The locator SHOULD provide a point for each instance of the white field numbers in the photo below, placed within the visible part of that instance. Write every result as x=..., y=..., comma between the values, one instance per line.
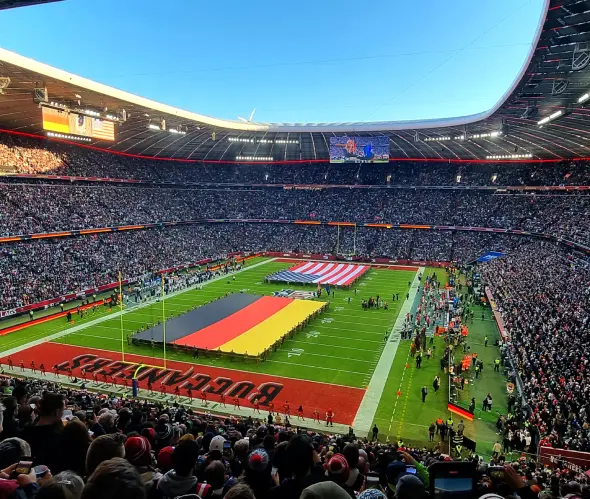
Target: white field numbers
x=295, y=352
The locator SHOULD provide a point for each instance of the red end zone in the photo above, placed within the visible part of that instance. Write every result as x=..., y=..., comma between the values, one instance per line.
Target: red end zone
x=343, y=400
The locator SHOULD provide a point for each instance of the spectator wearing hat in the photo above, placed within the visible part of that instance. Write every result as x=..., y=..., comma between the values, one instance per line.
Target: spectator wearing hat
x=240, y=458
x=215, y=454
x=324, y=490
x=65, y=485
x=258, y=474
x=301, y=460
x=138, y=451
x=165, y=459
x=180, y=479
x=338, y=471
x=409, y=487
x=12, y=450
x=163, y=433
x=114, y=479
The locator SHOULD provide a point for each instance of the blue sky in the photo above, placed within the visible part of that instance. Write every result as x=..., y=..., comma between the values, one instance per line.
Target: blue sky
x=306, y=61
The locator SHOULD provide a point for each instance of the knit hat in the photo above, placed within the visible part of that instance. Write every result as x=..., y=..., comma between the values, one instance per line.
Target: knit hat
x=11, y=450
x=216, y=444
x=150, y=434
x=409, y=487
x=188, y=436
x=324, y=490
x=337, y=468
x=138, y=451
x=165, y=458
x=258, y=460
x=163, y=431
x=372, y=494
x=394, y=471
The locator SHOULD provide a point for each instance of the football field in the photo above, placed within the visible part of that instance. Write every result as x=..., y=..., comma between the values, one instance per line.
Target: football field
x=330, y=363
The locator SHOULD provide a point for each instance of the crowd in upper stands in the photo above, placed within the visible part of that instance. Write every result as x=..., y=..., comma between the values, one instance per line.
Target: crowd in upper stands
x=93, y=446
x=28, y=208
x=23, y=155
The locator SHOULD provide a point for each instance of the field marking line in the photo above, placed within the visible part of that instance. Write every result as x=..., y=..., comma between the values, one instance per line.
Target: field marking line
x=128, y=310
x=318, y=367
x=308, y=342
x=370, y=403
x=344, y=338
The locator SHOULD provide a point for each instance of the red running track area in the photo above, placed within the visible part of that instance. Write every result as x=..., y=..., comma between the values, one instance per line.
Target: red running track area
x=234, y=325
x=246, y=386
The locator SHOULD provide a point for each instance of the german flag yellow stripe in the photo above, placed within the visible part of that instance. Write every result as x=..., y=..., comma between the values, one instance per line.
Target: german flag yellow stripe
x=256, y=340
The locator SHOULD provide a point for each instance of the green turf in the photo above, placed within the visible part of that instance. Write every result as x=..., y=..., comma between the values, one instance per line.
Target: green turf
x=342, y=346
x=405, y=416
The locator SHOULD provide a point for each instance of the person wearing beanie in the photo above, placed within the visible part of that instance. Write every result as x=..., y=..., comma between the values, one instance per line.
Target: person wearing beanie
x=165, y=459
x=12, y=450
x=258, y=473
x=409, y=487
x=324, y=490
x=138, y=451
x=240, y=460
x=181, y=479
x=337, y=469
x=372, y=494
x=163, y=433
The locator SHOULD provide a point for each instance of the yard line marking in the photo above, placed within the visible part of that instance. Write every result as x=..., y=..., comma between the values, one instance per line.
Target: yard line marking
x=364, y=361
x=347, y=338
x=316, y=367
x=309, y=342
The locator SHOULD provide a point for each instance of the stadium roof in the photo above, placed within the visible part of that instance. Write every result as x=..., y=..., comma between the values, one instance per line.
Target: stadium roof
x=10, y=4
x=554, y=79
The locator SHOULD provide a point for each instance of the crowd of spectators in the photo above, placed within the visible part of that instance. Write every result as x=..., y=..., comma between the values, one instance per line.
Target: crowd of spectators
x=544, y=297
x=26, y=208
x=87, y=446
x=27, y=155
x=36, y=270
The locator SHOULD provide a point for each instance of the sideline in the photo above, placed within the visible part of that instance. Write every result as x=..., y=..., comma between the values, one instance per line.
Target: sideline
x=366, y=412
x=126, y=311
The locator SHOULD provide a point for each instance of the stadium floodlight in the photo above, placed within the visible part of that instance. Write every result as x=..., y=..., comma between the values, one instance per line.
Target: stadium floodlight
x=584, y=98
x=510, y=156
x=64, y=136
x=494, y=134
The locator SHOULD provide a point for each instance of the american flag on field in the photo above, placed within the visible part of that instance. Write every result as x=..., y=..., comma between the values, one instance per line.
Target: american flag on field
x=104, y=130
x=326, y=273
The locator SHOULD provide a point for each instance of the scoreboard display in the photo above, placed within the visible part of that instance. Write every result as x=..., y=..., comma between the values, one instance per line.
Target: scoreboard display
x=346, y=149
x=67, y=122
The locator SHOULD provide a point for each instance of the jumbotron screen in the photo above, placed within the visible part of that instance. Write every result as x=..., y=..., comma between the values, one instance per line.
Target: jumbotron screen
x=66, y=122
x=347, y=149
